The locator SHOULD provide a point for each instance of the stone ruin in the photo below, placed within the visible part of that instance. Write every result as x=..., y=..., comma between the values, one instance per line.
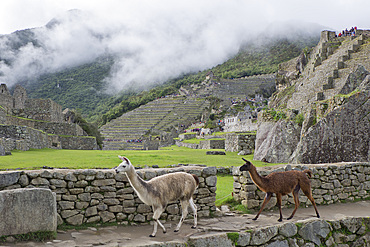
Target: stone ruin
x=330, y=96
x=27, y=123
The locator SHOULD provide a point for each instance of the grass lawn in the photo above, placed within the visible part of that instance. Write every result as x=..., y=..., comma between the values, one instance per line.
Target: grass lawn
x=224, y=189
x=83, y=159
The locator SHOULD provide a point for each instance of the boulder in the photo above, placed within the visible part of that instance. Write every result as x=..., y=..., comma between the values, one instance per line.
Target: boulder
x=277, y=141
x=9, y=178
x=215, y=153
x=27, y=210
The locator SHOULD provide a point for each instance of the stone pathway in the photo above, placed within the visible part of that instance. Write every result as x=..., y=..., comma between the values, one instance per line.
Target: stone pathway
x=117, y=236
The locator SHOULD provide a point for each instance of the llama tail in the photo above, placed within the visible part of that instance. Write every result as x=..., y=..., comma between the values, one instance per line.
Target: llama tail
x=309, y=173
x=196, y=179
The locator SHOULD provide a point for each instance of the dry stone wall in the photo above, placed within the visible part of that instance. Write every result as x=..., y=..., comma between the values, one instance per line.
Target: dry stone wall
x=347, y=231
x=330, y=183
x=49, y=127
x=24, y=138
x=240, y=142
x=97, y=195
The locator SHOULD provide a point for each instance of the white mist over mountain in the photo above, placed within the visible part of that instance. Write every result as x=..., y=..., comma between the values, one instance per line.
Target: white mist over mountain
x=151, y=41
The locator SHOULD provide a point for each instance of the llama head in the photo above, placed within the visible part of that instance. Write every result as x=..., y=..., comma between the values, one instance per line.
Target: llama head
x=124, y=166
x=247, y=166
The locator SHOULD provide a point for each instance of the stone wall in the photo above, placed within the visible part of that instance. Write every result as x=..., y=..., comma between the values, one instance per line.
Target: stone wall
x=240, y=126
x=347, y=231
x=206, y=144
x=49, y=127
x=78, y=142
x=240, y=142
x=24, y=138
x=96, y=195
x=212, y=144
x=330, y=183
x=44, y=110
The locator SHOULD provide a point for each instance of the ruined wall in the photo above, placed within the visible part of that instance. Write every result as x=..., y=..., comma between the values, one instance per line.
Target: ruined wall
x=330, y=183
x=240, y=142
x=240, y=126
x=49, y=127
x=95, y=195
x=44, y=110
x=212, y=144
x=78, y=142
x=24, y=138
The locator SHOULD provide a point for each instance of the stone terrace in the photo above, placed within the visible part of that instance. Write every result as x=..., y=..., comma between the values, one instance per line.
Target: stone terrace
x=329, y=66
x=159, y=115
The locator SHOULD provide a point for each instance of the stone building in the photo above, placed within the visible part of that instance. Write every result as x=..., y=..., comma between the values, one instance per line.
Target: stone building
x=37, y=123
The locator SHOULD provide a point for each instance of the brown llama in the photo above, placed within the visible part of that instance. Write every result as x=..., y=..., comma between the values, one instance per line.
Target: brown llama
x=281, y=183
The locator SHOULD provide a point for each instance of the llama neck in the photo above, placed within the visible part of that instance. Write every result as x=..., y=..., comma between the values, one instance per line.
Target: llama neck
x=136, y=182
x=257, y=179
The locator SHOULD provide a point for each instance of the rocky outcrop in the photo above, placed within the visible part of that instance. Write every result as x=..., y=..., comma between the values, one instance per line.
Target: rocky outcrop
x=276, y=142
x=354, y=79
x=333, y=96
x=342, y=135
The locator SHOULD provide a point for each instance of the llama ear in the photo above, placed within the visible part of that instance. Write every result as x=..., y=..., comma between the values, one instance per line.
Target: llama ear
x=245, y=160
x=124, y=159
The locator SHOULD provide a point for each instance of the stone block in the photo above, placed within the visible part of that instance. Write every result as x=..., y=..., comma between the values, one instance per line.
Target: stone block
x=314, y=231
x=9, y=178
x=27, y=210
x=263, y=235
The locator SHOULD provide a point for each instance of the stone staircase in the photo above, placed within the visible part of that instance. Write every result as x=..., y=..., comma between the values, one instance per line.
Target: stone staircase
x=326, y=74
x=164, y=114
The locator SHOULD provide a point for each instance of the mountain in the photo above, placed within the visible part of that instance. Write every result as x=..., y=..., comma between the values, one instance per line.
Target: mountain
x=75, y=65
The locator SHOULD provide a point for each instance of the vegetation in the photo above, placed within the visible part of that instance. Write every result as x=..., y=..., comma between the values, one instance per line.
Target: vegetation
x=84, y=159
x=39, y=236
x=224, y=189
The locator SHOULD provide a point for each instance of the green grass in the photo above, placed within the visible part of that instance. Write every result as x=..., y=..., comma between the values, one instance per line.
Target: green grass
x=83, y=159
x=224, y=189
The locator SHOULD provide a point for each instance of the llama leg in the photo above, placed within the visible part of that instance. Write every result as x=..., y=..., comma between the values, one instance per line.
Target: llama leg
x=278, y=198
x=184, y=207
x=296, y=200
x=157, y=213
x=265, y=201
x=308, y=193
x=194, y=208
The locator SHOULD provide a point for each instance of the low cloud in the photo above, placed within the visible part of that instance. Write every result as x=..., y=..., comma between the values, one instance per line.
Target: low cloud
x=151, y=41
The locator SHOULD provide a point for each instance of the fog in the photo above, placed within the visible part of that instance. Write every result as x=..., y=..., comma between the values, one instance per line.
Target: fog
x=153, y=41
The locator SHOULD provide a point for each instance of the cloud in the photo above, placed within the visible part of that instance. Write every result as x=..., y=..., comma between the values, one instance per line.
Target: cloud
x=152, y=41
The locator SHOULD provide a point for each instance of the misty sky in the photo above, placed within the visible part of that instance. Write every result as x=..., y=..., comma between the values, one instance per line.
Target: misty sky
x=155, y=40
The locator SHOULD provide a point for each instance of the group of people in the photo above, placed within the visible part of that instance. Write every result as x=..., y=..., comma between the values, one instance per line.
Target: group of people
x=346, y=32
x=135, y=141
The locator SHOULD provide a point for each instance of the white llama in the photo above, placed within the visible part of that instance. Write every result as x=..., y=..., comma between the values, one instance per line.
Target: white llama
x=161, y=190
